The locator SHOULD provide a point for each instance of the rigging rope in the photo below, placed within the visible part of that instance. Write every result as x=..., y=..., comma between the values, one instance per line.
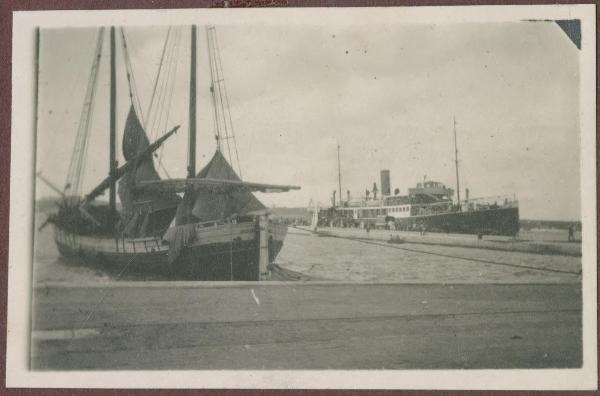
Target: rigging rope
x=212, y=90
x=170, y=95
x=158, y=75
x=104, y=294
x=160, y=105
x=157, y=117
x=133, y=93
x=219, y=93
x=77, y=164
x=163, y=77
x=227, y=103
x=155, y=124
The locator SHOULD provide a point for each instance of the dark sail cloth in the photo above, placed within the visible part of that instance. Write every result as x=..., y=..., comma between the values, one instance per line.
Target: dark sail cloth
x=148, y=213
x=205, y=204
x=202, y=204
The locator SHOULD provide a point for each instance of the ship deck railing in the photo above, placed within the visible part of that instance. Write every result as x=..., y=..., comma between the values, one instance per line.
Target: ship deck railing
x=494, y=201
x=479, y=203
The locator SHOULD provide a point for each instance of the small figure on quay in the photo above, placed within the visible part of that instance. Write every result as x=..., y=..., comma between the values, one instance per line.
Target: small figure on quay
x=571, y=234
x=391, y=225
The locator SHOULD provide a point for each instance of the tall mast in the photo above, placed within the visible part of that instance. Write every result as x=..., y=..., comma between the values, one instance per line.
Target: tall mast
x=113, y=134
x=192, y=137
x=339, y=174
x=35, y=107
x=456, y=164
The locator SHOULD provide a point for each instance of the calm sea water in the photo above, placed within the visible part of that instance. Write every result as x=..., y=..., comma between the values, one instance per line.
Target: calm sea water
x=344, y=260
x=347, y=260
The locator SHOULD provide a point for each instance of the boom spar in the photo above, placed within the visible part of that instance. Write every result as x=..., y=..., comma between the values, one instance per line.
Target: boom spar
x=120, y=171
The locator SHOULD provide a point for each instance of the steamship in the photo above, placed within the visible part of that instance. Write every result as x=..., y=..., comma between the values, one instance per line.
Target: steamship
x=429, y=206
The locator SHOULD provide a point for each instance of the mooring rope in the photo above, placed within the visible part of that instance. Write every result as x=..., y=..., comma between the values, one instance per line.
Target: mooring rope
x=101, y=300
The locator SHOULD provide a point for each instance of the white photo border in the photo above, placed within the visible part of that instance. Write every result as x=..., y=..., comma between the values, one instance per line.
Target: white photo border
x=22, y=195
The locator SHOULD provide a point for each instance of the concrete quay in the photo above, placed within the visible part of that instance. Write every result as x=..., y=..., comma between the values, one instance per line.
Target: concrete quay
x=470, y=241
x=305, y=325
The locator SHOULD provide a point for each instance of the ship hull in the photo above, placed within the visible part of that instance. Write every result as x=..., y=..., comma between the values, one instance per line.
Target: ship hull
x=224, y=252
x=495, y=221
x=500, y=221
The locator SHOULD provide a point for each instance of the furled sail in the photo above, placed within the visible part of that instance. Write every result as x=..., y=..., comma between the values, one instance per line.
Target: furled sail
x=145, y=213
x=205, y=205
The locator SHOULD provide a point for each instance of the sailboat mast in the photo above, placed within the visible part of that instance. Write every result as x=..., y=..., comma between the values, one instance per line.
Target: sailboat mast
x=113, y=131
x=339, y=173
x=456, y=164
x=35, y=107
x=192, y=137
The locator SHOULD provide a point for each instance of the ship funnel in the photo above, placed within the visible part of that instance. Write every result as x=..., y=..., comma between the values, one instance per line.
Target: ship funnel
x=385, y=183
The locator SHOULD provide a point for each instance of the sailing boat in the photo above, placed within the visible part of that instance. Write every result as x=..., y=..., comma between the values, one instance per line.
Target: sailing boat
x=217, y=230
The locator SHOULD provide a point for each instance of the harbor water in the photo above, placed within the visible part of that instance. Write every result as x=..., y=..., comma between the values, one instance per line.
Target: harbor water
x=337, y=259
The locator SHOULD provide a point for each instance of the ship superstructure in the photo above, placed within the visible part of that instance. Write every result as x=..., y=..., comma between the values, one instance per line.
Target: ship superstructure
x=429, y=206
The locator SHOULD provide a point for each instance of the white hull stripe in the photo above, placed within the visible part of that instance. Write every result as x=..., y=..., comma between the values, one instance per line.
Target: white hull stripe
x=204, y=236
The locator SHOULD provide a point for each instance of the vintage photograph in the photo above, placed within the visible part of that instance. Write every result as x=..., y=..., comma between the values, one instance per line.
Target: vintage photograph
x=308, y=196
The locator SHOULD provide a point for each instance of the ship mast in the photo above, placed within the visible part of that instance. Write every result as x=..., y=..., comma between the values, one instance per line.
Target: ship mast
x=112, y=200
x=456, y=165
x=339, y=174
x=192, y=136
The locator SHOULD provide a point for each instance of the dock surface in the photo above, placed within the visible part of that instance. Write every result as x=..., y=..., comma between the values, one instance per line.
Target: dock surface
x=315, y=325
x=459, y=240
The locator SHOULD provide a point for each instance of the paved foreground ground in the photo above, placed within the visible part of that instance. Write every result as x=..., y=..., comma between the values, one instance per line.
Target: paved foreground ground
x=130, y=325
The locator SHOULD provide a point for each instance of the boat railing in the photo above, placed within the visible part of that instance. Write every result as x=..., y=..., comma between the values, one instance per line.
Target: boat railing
x=470, y=205
x=490, y=202
x=215, y=223
x=479, y=203
x=363, y=203
x=432, y=208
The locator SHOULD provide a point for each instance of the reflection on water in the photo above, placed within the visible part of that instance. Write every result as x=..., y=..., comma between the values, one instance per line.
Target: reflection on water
x=344, y=260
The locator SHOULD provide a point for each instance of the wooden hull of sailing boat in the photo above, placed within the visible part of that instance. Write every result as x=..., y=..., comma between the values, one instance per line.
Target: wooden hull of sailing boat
x=223, y=252
x=223, y=261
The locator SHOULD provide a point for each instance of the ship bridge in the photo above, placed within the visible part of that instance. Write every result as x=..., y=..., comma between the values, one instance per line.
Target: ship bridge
x=436, y=191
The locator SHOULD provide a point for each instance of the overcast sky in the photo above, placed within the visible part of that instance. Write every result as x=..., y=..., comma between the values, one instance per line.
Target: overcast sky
x=386, y=93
